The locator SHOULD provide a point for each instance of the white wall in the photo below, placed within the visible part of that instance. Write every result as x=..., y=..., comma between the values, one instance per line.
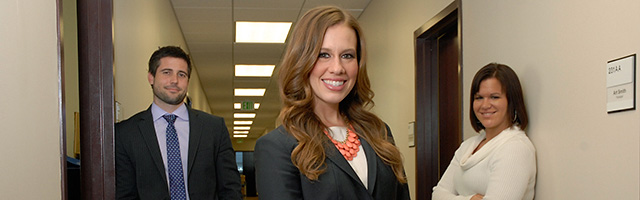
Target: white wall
x=388, y=29
x=140, y=27
x=560, y=50
x=30, y=102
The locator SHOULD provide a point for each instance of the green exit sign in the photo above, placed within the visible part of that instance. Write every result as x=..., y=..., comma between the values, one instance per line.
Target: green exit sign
x=246, y=105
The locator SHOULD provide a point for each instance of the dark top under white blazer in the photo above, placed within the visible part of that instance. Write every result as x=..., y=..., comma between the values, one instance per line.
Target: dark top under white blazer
x=278, y=179
x=140, y=174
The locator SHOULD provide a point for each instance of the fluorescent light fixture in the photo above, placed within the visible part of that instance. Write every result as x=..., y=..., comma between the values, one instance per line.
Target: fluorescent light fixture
x=249, y=92
x=240, y=132
x=237, y=106
x=244, y=115
x=239, y=136
x=255, y=70
x=242, y=122
x=242, y=128
x=262, y=32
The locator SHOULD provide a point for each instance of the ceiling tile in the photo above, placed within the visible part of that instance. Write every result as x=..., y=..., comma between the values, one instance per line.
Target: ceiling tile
x=208, y=28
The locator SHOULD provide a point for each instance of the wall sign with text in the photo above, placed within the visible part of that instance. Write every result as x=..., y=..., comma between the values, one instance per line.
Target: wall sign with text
x=621, y=86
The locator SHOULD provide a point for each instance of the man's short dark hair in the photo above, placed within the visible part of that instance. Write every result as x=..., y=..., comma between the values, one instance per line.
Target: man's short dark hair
x=168, y=51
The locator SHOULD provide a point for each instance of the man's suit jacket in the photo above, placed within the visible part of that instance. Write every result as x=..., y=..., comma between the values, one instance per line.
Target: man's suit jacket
x=278, y=178
x=211, y=170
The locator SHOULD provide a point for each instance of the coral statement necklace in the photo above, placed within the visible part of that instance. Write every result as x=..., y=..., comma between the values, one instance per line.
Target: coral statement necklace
x=350, y=146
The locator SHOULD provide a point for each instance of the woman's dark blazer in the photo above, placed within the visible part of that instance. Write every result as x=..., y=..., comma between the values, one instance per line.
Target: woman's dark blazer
x=278, y=179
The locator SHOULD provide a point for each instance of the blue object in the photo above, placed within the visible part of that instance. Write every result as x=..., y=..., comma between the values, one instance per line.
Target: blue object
x=174, y=161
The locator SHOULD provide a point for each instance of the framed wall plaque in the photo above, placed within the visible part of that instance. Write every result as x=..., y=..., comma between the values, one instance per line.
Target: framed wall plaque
x=621, y=86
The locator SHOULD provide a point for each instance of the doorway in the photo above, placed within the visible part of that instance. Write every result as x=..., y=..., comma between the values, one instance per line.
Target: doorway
x=438, y=97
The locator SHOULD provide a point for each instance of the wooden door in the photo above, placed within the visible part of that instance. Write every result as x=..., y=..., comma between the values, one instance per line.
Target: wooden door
x=438, y=97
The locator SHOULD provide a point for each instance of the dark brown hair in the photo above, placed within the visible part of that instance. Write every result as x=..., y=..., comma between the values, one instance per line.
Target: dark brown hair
x=297, y=114
x=168, y=51
x=510, y=86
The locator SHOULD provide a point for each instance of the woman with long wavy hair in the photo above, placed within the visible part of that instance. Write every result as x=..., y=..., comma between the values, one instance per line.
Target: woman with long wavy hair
x=329, y=145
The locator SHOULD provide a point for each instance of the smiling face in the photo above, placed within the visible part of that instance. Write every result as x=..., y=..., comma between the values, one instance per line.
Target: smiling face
x=170, y=83
x=334, y=73
x=490, y=106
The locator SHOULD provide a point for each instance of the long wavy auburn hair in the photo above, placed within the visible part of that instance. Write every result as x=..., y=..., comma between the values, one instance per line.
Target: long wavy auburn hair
x=297, y=114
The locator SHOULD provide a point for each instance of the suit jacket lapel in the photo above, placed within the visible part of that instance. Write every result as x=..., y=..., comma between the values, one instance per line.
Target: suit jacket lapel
x=195, y=131
x=334, y=156
x=372, y=160
x=147, y=129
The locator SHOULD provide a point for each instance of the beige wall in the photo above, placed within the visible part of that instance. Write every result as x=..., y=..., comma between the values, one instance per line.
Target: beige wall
x=140, y=27
x=388, y=28
x=71, y=89
x=30, y=105
x=559, y=49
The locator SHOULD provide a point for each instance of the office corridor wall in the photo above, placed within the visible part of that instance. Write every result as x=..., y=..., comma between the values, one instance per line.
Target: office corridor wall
x=388, y=28
x=560, y=50
x=140, y=27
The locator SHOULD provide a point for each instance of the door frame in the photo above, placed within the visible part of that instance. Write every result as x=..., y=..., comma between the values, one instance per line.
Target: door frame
x=61, y=105
x=427, y=109
x=95, y=62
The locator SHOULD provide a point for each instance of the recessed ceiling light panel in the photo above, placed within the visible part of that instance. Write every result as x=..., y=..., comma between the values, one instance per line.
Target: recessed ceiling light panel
x=242, y=122
x=242, y=128
x=240, y=136
x=244, y=115
x=262, y=32
x=256, y=92
x=240, y=132
x=254, y=70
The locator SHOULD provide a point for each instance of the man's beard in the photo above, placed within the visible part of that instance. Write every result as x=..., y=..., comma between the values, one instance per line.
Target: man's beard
x=167, y=99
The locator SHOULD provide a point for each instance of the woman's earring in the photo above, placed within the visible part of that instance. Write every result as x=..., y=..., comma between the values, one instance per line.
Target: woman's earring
x=515, y=116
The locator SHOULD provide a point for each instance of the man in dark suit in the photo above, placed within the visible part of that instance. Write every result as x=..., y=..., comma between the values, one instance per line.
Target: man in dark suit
x=171, y=151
